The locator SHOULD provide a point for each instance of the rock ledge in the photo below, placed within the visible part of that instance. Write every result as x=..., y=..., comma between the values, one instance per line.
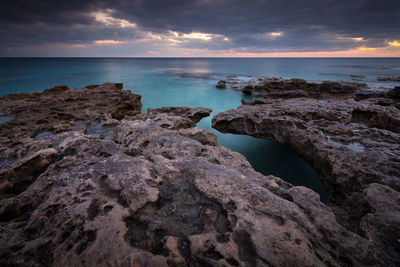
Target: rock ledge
x=354, y=145
x=88, y=182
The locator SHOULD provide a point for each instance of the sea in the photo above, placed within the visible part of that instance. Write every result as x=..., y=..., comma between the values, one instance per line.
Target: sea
x=191, y=82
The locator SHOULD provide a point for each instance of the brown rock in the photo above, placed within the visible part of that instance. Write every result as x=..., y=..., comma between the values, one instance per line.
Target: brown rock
x=281, y=88
x=41, y=112
x=352, y=144
x=154, y=190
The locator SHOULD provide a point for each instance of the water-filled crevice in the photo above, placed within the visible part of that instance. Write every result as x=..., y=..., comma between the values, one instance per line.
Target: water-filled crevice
x=269, y=157
x=272, y=158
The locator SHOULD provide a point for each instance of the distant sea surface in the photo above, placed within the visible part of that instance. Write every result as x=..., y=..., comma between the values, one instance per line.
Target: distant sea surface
x=191, y=82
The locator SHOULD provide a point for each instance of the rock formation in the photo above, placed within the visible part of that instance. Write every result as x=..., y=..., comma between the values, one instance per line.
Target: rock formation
x=221, y=84
x=388, y=79
x=281, y=88
x=80, y=186
x=353, y=144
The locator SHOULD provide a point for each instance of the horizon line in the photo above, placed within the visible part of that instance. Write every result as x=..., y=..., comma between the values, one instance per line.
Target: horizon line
x=183, y=57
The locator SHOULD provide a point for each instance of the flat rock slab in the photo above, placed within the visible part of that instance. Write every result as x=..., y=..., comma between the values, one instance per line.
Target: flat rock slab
x=32, y=114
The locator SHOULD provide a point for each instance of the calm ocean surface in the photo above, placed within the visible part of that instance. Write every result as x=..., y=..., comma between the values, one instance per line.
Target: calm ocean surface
x=191, y=82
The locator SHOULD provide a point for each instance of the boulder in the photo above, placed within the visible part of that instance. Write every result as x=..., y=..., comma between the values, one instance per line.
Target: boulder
x=221, y=84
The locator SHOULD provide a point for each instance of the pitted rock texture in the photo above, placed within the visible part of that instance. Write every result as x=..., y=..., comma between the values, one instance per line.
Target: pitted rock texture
x=154, y=190
x=55, y=107
x=353, y=145
x=282, y=88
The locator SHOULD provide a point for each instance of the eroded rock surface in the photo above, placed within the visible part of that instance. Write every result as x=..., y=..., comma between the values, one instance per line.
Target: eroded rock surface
x=54, y=108
x=353, y=144
x=154, y=190
x=281, y=88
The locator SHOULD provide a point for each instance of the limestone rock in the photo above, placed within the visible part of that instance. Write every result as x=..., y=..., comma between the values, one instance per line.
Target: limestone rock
x=281, y=88
x=40, y=112
x=154, y=190
x=353, y=145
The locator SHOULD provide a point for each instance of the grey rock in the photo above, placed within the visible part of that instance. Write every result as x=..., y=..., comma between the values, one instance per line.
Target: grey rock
x=221, y=84
x=388, y=79
x=154, y=190
x=282, y=88
x=353, y=145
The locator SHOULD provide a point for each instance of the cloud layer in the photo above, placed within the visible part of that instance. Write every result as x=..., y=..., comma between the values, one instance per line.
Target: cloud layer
x=198, y=27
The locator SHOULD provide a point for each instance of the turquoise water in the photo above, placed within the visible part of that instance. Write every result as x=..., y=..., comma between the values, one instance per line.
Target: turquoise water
x=191, y=82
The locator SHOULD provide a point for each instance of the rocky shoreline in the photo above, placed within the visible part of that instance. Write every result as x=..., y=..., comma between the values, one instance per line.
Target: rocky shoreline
x=87, y=180
x=257, y=84
x=350, y=135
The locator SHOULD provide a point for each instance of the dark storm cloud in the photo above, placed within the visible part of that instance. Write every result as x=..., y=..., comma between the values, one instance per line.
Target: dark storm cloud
x=305, y=23
x=28, y=12
x=309, y=25
x=372, y=18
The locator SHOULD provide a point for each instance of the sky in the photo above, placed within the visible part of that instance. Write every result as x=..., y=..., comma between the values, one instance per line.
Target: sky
x=200, y=28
